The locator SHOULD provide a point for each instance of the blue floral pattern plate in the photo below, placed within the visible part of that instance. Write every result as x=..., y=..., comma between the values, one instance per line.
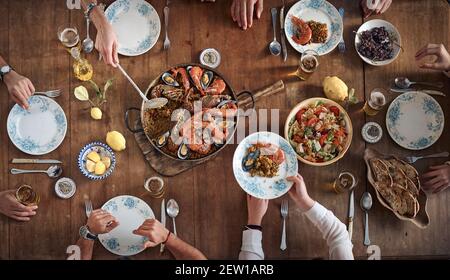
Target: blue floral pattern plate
x=131, y=212
x=137, y=25
x=261, y=187
x=415, y=120
x=39, y=130
x=320, y=11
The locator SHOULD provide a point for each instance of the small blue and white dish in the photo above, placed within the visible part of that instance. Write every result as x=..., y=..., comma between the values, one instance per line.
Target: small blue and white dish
x=103, y=150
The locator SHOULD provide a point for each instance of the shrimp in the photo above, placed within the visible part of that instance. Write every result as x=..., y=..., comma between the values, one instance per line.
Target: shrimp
x=303, y=33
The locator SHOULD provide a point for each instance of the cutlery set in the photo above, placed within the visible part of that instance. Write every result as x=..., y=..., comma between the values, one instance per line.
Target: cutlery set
x=403, y=84
x=276, y=48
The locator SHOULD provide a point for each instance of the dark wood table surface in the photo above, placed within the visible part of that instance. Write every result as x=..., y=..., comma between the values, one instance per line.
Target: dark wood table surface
x=213, y=206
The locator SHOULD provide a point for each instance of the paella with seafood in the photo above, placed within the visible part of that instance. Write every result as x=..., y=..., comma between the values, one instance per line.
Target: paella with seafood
x=263, y=159
x=199, y=117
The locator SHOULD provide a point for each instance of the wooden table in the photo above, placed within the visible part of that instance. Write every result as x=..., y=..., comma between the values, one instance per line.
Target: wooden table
x=213, y=207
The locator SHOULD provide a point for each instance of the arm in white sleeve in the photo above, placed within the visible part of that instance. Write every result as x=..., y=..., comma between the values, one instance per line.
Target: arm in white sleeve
x=333, y=231
x=251, y=245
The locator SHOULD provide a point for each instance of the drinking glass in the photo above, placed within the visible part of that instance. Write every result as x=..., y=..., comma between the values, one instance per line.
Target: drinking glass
x=68, y=36
x=309, y=61
x=375, y=102
x=345, y=181
x=26, y=195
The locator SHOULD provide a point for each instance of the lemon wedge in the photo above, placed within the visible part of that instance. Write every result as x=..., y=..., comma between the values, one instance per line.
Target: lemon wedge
x=94, y=156
x=96, y=113
x=90, y=166
x=100, y=168
x=106, y=161
x=116, y=141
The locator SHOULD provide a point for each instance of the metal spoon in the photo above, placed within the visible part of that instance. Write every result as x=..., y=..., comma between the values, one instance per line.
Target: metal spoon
x=366, y=204
x=87, y=44
x=149, y=103
x=172, y=211
x=53, y=171
x=404, y=83
x=275, y=46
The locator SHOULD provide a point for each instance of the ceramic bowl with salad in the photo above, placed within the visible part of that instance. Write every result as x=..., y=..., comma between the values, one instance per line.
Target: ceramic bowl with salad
x=319, y=130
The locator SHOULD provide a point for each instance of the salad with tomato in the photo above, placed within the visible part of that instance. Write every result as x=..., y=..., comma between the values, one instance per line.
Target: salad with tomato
x=318, y=133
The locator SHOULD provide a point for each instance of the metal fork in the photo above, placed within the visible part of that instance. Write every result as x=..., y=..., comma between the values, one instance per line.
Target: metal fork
x=166, y=21
x=284, y=213
x=412, y=159
x=342, y=42
x=88, y=207
x=51, y=93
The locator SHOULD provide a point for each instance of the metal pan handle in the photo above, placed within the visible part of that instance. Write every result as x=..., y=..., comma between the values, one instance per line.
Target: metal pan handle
x=127, y=123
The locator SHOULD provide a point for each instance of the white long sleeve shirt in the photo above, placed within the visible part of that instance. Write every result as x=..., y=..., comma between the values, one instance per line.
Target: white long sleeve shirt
x=332, y=229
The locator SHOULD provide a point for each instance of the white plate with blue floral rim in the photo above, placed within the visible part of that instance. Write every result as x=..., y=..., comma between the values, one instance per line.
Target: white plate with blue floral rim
x=320, y=11
x=103, y=150
x=415, y=120
x=262, y=187
x=137, y=26
x=131, y=212
x=39, y=130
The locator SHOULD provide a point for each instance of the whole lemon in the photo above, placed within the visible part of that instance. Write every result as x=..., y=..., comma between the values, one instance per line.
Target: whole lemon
x=96, y=113
x=335, y=89
x=116, y=141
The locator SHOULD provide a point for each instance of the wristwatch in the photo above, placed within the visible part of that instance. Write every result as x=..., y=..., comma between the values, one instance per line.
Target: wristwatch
x=5, y=70
x=86, y=234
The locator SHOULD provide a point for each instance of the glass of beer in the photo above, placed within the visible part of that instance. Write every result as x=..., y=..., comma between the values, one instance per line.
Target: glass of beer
x=344, y=182
x=309, y=61
x=26, y=195
x=375, y=102
x=155, y=187
x=68, y=36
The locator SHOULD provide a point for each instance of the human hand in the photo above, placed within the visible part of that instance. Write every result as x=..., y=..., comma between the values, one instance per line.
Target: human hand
x=382, y=7
x=19, y=87
x=100, y=222
x=442, y=61
x=154, y=231
x=256, y=208
x=243, y=11
x=9, y=206
x=299, y=194
x=437, y=179
x=106, y=43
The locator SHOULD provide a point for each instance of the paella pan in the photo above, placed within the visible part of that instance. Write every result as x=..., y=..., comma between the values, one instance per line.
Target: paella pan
x=200, y=117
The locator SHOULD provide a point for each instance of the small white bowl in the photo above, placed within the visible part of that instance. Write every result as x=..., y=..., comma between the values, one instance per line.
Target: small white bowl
x=390, y=28
x=69, y=181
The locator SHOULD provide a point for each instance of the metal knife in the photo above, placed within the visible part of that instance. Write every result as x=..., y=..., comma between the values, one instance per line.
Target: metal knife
x=283, y=35
x=24, y=160
x=163, y=220
x=351, y=213
x=427, y=91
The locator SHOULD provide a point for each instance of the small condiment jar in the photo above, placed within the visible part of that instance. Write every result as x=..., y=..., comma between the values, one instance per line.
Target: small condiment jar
x=65, y=188
x=155, y=187
x=372, y=132
x=210, y=58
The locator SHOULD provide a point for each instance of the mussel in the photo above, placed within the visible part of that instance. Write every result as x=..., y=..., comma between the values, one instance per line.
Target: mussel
x=206, y=79
x=183, y=151
x=249, y=160
x=161, y=141
x=168, y=79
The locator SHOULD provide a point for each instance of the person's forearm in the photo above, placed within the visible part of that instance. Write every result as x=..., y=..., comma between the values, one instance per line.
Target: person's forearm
x=183, y=251
x=97, y=16
x=86, y=248
x=333, y=231
x=2, y=61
